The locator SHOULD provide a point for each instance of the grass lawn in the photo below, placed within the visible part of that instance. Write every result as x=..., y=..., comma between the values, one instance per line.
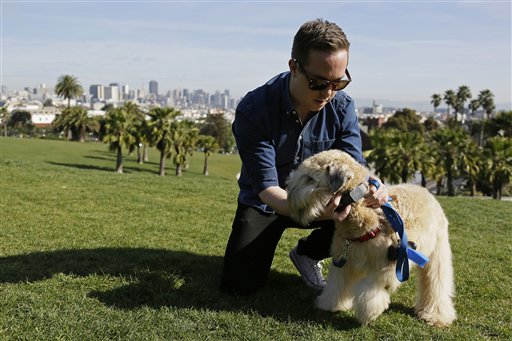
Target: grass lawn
x=89, y=254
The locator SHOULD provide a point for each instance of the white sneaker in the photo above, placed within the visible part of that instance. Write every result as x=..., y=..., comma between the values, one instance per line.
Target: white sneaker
x=310, y=270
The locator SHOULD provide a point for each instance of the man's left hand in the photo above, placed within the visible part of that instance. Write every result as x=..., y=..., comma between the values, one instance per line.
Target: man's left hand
x=375, y=198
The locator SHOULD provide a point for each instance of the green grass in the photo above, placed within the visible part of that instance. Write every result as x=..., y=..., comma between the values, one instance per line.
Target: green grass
x=88, y=254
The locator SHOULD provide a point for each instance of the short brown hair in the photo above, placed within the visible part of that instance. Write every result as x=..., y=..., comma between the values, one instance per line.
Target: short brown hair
x=320, y=35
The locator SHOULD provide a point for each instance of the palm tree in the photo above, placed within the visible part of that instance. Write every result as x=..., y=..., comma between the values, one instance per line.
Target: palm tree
x=159, y=132
x=118, y=133
x=463, y=95
x=449, y=143
x=184, y=137
x=209, y=145
x=436, y=101
x=450, y=99
x=379, y=155
x=399, y=154
x=68, y=87
x=139, y=128
x=82, y=122
x=473, y=106
x=486, y=99
x=4, y=116
x=498, y=151
x=62, y=122
x=470, y=163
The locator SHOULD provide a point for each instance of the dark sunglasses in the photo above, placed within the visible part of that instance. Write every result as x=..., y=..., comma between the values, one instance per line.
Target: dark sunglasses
x=319, y=85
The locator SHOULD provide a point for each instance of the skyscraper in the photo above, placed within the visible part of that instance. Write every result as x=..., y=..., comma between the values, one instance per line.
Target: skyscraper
x=97, y=92
x=153, y=87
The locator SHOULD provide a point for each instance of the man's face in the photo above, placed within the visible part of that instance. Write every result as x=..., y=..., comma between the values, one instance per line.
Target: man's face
x=322, y=66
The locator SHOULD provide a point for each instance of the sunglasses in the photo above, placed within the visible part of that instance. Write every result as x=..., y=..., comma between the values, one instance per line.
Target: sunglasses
x=319, y=85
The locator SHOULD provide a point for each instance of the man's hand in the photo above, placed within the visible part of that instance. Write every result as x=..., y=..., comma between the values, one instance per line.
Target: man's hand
x=330, y=213
x=375, y=198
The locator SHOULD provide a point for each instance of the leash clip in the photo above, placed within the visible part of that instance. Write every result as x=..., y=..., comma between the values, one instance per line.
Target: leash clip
x=343, y=259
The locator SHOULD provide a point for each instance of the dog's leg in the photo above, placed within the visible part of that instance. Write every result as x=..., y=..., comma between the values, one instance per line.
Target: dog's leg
x=337, y=295
x=435, y=285
x=371, y=299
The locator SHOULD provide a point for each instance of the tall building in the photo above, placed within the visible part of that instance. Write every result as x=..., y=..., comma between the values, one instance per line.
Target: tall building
x=125, y=91
x=153, y=87
x=97, y=92
x=115, y=92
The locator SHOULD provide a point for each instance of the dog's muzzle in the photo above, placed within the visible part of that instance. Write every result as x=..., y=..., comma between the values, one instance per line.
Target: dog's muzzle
x=351, y=197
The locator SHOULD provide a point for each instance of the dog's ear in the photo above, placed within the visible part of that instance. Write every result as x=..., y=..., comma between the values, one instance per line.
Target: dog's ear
x=336, y=179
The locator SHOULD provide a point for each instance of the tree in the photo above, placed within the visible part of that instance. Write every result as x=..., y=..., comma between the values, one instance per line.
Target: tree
x=450, y=99
x=81, y=122
x=405, y=120
x=62, y=122
x=449, y=146
x=218, y=126
x=5, y=116
x=159, y=132
x=501, y=124
x=430, y=124
x=486, y=100
x=498, y=152
x=139, y=128
x=21, y=122
x=436, y=101
x=209, y=145
x=68, y=87
x=470, y=163
x=473, y=106
x=118, y=133
x=463, y=94
x=184, y=137
x=399, y=154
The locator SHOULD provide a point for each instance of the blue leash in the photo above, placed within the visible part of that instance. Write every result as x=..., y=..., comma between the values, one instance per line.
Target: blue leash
x=404, y=251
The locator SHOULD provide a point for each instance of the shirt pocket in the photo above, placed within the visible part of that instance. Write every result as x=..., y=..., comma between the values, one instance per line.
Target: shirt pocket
x=313, y=147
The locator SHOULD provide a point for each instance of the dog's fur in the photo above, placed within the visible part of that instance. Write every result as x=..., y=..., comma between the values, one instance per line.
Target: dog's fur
x=366, y=280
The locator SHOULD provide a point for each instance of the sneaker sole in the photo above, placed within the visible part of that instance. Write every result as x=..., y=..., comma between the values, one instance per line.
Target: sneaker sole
x=310, y=284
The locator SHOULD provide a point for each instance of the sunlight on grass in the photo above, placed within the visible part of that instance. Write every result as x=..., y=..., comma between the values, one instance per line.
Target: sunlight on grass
x=86, y=253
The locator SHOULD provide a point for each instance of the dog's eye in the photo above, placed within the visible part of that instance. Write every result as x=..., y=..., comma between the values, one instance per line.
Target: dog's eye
x=336, y=179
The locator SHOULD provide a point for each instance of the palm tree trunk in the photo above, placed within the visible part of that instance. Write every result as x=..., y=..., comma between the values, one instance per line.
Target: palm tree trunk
x=481, y=138
x=145, y=154
x=439, y=186
x=472, y=186
x=139, y=155
x=423, y=180
x=162, y=164
x=178, y=169
x=449, y=182
x=82, y=135
x=205, y=169
x=119, y=162
x=404, y=176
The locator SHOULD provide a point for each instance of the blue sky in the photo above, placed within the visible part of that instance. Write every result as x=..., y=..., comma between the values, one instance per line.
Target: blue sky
x=401, y=51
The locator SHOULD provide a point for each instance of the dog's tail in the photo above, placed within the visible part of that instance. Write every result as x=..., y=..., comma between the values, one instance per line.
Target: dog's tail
x=435, y=285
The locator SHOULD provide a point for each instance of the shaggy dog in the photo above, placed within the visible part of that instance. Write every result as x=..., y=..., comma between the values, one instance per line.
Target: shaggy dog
x=368, y=277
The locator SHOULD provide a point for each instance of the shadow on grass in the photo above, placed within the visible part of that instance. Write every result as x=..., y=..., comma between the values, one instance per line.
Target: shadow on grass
x=160, y=278
x=126, y=169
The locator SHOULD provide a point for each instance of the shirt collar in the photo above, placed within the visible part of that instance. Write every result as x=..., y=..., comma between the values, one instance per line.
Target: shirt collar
x=287, y=104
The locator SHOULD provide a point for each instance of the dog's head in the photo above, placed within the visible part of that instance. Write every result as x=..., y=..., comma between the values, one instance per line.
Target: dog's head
x=312, y=185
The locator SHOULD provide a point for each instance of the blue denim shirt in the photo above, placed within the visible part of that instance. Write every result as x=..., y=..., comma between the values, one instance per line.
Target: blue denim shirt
x=272, y=141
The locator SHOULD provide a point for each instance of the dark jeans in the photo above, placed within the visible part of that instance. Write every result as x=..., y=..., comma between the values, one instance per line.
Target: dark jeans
x=252, y=244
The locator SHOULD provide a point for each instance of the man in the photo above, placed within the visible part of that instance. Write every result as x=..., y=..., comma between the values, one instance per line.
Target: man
x=295, y=115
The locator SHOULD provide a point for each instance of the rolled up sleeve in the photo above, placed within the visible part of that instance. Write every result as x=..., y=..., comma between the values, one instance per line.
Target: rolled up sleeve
x=256, y=151
x=350, y=138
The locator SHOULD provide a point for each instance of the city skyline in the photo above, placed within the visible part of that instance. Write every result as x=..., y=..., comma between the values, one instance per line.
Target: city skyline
x=400, y=51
